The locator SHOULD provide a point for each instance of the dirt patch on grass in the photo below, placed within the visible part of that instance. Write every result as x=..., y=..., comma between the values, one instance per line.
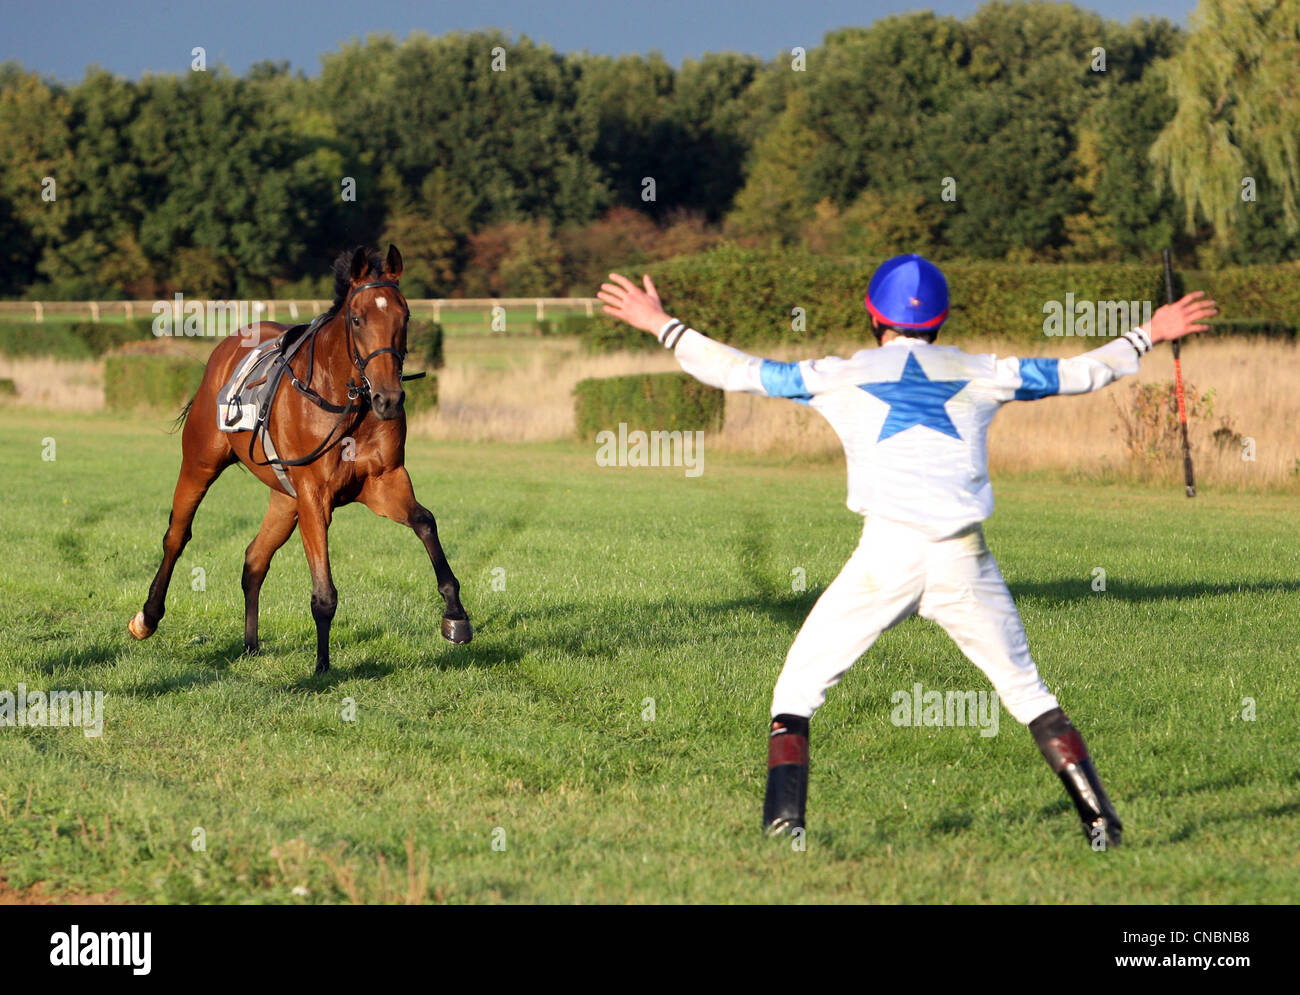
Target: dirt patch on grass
x=38, y=894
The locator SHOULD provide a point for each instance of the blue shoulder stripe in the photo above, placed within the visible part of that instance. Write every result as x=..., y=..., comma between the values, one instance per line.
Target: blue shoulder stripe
x=783, y=380
x=1038, y=378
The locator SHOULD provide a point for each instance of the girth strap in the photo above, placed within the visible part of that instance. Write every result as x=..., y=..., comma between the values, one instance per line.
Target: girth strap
x=273, y=460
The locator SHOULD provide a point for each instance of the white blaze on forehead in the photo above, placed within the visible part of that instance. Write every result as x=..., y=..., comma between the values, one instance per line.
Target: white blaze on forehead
x=382, y=302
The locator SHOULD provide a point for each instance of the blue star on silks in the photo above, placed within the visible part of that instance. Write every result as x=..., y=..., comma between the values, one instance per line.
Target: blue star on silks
x=915, y=399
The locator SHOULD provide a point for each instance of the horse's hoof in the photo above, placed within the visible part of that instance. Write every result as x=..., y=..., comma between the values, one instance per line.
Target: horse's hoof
x=138, y=627
x=457, y=630
x=322, y=668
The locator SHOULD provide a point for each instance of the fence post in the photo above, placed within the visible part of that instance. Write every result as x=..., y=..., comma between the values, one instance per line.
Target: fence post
x=40, y=310
x=541, y=310
x=94, y=311
x=589, y=307
x=437, y=310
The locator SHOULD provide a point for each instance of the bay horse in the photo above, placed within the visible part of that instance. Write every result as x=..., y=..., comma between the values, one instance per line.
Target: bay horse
x=342, y=382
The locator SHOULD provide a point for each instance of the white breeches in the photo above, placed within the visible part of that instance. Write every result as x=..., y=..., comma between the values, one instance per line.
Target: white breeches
x=895, y=572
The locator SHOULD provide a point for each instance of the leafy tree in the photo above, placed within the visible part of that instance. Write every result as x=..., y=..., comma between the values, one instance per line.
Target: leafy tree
x=501, y=167
x=1128, y=214
x=118, y=170
x=778, y=197
x=622, y=238
x=708, y=109
x=534, y=264
x=685, y=233
x=431, y=232
x=626, y=98
x=1237, y=87
x=511, y=137
x=243, y=195
x=870, y=100
x=33, y=120
x=877, y=225
x=1010, y=158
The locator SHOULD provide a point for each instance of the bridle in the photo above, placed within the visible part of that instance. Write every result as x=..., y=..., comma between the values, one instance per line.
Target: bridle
x=357, y=361
x=358, y=393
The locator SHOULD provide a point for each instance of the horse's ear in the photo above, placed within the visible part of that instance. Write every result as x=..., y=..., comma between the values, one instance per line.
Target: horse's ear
x=393, y=264
x=360, y=263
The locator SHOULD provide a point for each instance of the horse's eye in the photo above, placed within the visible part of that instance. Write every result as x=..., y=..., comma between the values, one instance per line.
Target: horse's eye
x=356, y=319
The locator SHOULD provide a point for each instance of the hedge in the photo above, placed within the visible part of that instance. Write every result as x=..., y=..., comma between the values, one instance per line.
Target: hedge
x=70, y=339
x=167, y=382
x=1262, y=328
x=422, y=394
x=424, y=340
x=577, y=325
x=144, y=381
x=104, y=336
x=604, y=334
x=748, y=297
x=649, y=402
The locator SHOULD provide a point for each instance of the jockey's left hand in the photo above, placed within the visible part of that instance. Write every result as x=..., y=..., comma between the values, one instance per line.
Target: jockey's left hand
x=1183, y=317
x=625, y=301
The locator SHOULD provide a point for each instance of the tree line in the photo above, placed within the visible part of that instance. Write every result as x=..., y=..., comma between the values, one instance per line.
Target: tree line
x=1028, y=131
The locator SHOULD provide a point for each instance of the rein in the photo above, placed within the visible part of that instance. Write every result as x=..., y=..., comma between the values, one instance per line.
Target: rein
x=358, y=393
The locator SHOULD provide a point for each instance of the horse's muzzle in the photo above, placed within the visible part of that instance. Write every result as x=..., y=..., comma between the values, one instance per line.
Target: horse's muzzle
x=387, y=406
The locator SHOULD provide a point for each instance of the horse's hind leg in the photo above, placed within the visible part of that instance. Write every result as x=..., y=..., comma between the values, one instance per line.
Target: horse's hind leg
x=392, y=496
x=199, y=468
x=279, y=523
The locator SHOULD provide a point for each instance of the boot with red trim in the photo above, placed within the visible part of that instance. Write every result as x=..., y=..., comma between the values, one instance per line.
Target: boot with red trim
x=787, y=776
x=1063, y=749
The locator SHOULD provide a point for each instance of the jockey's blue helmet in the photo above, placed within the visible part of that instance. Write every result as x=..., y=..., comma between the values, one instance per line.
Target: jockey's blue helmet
x=908, y=292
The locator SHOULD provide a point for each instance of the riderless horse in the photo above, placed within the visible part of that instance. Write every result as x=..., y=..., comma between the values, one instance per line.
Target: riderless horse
x=323, y=403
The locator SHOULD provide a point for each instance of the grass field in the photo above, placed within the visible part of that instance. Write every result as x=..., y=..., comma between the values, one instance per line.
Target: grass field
x=622, y=585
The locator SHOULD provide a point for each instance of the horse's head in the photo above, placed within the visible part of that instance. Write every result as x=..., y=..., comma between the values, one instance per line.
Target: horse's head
x=375, y=314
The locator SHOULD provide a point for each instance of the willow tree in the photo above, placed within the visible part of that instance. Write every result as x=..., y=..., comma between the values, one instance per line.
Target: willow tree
x=1237, y=88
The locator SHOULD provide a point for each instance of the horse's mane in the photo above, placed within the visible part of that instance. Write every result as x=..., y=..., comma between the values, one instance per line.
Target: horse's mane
x=343, y=276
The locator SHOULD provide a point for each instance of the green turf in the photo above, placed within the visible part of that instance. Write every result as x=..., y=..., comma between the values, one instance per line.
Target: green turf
x=623, y=585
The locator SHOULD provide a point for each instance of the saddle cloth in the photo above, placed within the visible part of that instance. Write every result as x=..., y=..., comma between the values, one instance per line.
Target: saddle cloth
x=240, y=400
x=244, y=401
x=252, y=386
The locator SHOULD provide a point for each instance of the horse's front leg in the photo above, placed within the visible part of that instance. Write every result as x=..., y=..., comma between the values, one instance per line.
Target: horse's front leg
x=314, y=513
x=279, y=523
x=392, y=496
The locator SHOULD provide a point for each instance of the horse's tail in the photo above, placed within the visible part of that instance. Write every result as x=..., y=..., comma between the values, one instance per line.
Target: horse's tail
x=185, y=413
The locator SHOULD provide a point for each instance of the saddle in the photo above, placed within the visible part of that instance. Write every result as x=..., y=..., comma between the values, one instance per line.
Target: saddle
x=244, y=401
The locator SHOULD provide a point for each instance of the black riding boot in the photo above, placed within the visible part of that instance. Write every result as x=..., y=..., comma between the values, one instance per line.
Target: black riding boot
x=787, y=775
x=1063, y=749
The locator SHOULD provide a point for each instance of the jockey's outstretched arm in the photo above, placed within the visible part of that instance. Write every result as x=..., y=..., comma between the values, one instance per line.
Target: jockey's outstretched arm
x=1031, y=379
x=722, y=366
x=718, y=365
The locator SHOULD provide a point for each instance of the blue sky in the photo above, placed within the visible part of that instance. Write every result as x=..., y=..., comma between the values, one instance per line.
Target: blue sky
x=61, y=38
